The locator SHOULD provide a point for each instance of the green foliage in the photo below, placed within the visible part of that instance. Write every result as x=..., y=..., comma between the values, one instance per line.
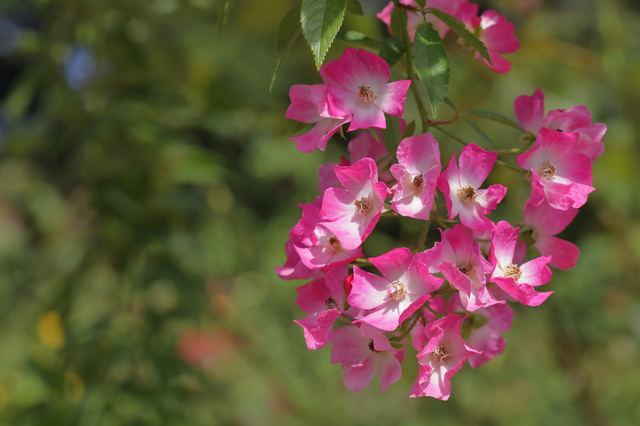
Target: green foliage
x=224, y=9
x=321, y=20
x=497, y=117
x=358, y=39
x=432, y=65
x=479, y=131
x=459, y=28
x=354, y=7
x=392, y=50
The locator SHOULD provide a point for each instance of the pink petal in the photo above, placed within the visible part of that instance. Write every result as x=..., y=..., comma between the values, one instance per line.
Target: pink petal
x=367, y=115
x=369, y=290
x=564, y=254
x=358, y=376
x=545, y=219
x=389, y=370
x=393, y=264
x=301, y=108
x=529, y=111
x=475, y=165
x=319, y=135
x=535, y=272
x=392, y=97
x=359, y=67
x=318, y=328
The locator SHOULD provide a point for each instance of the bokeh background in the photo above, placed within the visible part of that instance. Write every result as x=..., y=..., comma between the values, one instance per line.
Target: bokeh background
x=147, y=187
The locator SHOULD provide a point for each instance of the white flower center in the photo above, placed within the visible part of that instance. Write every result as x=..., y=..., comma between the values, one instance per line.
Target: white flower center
x=366, y=94
x=363, y=205
x=441, y=353
x=335, y=243
x=467, y=194
x=331, y=303
x=418, y=184
x=547, y=170
x=512, y=271
x=396, y=291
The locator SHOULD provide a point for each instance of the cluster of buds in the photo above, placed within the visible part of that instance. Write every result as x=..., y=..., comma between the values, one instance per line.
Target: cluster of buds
x=449, y=301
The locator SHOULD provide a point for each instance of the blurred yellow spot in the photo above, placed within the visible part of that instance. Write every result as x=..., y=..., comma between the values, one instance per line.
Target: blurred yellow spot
x=4, y=396
x=50, y=330
x=73, y=386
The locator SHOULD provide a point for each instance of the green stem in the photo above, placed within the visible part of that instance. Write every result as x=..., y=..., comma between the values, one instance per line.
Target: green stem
x=423, y=235
x=508, y=166
x=439, y=315
x=455, y=138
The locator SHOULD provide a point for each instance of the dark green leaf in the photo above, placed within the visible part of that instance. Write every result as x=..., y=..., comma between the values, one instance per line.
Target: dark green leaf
x=432, y=65
x=409, y=130
x=354, y=6
x=490, y=115
x=448, y=102
x=391, y=134
x=392, y=50
x=479, y=131
x=289, y=24
x=321, y=20
x=422, y=3
x=358, y=39
x=284, y=52
x=298, y=127
x=398, y=21
x=224, y=8
x=459, y=28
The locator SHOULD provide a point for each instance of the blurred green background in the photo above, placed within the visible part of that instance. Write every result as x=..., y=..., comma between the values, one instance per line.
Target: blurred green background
x=147, y=187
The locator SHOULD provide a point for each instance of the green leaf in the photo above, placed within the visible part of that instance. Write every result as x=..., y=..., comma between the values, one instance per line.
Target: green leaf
x=459, y=28
x=284, y=52
x=321, y=20
x=224, y=8
x=490, y=115
x=354, y=6
x=409, y=130
x=358, y=39
x=289, y=24
x=298, y=127
x=391, y=134
x=392, y=50
x=422, y=3
x=398, y=21
x=448, y=102
x=479, y=131
x=432, y=65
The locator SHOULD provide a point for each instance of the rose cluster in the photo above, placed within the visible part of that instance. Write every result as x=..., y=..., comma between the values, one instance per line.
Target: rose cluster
x=449, y=301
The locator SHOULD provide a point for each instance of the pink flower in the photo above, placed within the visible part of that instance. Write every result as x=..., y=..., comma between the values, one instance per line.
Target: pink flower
x=352, y=213
x=417, y=173
x=364, y=90
x=303, y=109
x=547, y=222
x=317, y=246
x=459, y=260
x=517, y=280
x=323, y=300
x=441, y=358
x=529, y=111
x=404, y=287
x=461, y=188
x=294, y=269
x=484, y=327
x=360, y=351
x=494, y=31
x=415, y=18
x=559, y=174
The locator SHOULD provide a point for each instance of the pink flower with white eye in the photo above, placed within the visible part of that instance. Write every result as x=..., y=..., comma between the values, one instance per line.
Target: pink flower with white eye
x=323, y=300
x=365, y=91
x=417, y=173
x=494, y=31
x=415, y=18
x=545, y=221
x=517, y=280
x=304, y=110
x=318, y=247
x=560, y=176
x=529, y=111
x=441, y=358
x=352, y=213
x=294, y=269
x=484, y=327
x=360, y=350
x=404, y=287
x=459, y=260
x=461, y=188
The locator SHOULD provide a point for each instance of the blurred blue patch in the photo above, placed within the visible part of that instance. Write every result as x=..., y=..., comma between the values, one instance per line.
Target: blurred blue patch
x=80, y=66
x=9, y=36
